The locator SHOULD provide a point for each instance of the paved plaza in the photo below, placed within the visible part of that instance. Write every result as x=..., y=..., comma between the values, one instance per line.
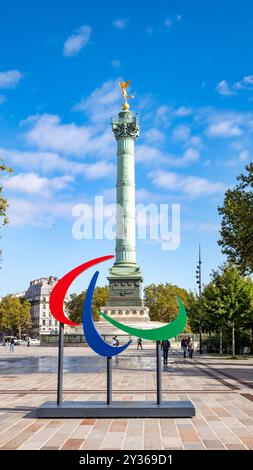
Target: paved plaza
x=221, y=390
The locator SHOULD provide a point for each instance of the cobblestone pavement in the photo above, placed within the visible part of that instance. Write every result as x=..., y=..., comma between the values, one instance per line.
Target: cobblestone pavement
x=221, y=390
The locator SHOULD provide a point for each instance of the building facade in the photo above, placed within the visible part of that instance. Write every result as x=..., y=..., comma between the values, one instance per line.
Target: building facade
x=38, y=295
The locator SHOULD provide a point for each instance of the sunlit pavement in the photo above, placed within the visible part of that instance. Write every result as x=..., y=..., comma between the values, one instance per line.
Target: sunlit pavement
x=221, y=390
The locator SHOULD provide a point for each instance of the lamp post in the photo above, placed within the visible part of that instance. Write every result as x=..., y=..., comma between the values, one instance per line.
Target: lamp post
x=198, y=277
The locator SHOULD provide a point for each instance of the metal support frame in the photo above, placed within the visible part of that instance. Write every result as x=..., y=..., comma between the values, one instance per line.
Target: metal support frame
x=60, y=364
x=116, y=409
x=158, y=374
x=109, y=380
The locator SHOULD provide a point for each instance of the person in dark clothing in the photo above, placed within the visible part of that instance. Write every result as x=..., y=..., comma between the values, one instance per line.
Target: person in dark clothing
x=139, y=343
x=184, y=346
x=12, y=345
x=165, y=348
x=190, y=348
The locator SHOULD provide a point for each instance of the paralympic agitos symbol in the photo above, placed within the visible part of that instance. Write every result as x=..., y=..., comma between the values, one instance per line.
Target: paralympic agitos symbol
x=92, y=336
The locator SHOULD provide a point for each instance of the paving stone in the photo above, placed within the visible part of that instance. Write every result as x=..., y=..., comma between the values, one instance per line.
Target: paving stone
x=224, y=414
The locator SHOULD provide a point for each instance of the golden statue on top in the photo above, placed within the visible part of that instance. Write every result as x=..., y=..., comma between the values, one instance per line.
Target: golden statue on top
x=123, y=86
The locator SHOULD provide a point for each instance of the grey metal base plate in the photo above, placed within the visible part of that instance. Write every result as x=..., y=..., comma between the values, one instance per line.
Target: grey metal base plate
x=118, y=409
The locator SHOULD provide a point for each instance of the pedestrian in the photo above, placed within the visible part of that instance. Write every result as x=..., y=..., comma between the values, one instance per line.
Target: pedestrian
x=115, y=341
x=12, y=345
x=28, y=342
x=184, y=345
x=165, y=348
x=190, y=348
x=139, y=343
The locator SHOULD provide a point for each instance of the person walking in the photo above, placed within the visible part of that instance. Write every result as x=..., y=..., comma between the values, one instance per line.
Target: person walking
x=12, y=345
x=184, y=346
x=165, y=348
x=190, y=348
x=139, y=343
x=115, y=341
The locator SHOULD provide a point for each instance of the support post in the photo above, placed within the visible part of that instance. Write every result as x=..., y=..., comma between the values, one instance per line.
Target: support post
x=109, y=380
x=60, y=364
x=158, y=373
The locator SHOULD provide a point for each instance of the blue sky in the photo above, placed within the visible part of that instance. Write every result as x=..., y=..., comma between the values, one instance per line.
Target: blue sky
x=191, y=70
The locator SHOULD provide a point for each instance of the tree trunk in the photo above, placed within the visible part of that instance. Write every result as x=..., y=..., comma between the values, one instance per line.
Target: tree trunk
x=251, y=341
x=233, y=338
x=221, y=340
x=200, y=339
x=19, y=331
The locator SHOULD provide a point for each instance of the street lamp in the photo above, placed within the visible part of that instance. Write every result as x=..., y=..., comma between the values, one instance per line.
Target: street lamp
x=198, y=277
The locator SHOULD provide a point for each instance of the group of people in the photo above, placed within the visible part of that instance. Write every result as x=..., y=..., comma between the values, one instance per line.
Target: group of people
x=187, y=345
x=10, y=344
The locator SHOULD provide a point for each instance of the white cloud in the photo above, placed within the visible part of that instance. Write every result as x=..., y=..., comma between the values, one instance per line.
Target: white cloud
x=38, y=212
x=99, y=170
x=196, y=141
x=193, y=186
x=10, y=78
x=244, y=156
x=224, y=128
x=181, y=133
x=182, y=111
x=115, y=63
x=32, y=183
x=50, y=162
x=2, y=99
x=224, y=89
x=102, y=103
x=146, y=154
x=190, y=155
x=154, y=135
x=179, y=17
x=77, y=41
x=120, y=23
x=47, y=132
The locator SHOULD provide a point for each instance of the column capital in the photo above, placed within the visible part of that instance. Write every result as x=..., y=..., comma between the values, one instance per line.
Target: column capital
x=126, y=127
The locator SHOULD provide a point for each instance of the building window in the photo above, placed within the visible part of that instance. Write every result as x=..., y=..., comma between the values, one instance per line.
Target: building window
x=44, y=306
x=43, y=323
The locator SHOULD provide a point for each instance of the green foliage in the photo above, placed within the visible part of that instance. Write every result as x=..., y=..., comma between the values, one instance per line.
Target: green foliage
x=195, y=313
x=162, y=303
x=75, y=304
x=237, y=223
x=227, y=301
x=229, y=297
x=14, y=314
x=3, y=201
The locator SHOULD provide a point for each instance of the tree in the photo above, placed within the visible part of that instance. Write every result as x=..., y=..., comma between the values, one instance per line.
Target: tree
x=162, y=303
x=237, y=223
x=3, y=201
x=227, y=301
x=75, y=304
x=14, y=314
